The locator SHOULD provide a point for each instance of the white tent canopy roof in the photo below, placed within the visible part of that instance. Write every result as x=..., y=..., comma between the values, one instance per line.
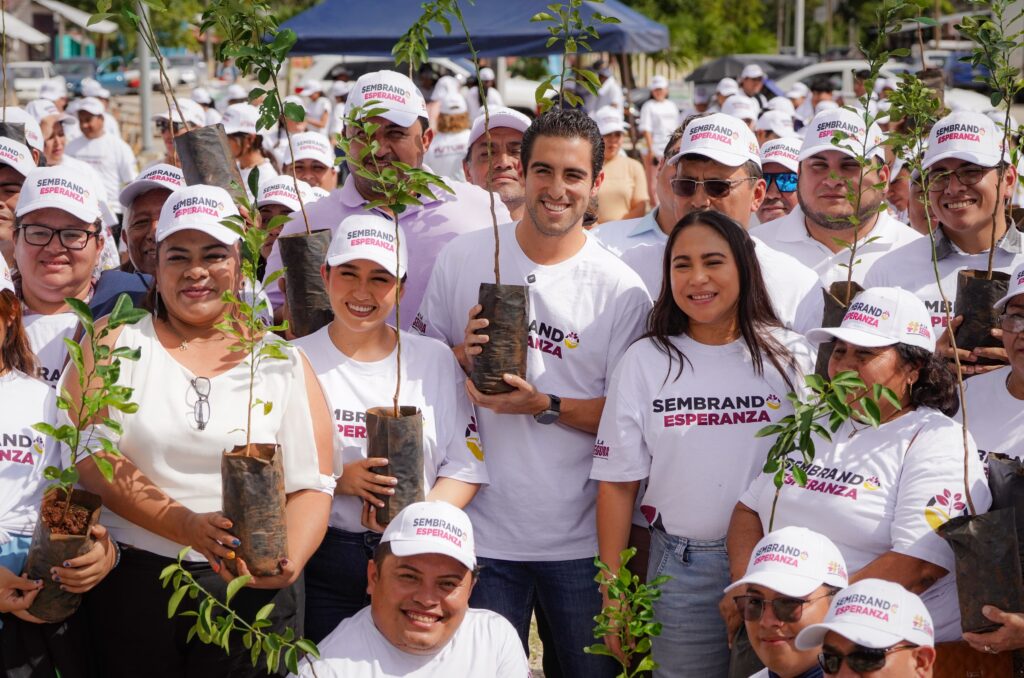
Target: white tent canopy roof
x=77, y=16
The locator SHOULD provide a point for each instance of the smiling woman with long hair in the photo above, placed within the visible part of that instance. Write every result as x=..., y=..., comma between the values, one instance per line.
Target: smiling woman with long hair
x=684, y=404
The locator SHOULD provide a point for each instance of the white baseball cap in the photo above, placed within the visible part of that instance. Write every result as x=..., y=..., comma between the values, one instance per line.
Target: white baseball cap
x=6, y=281
x=781, y=104
x=720, y=137
x=44, y=108
x=198, y=208
x=236, y=92
x=317, y=193
x=59, y=187
x=341, y=88
x=727, y=87
x=778, y=122
x=499, y=116
x=53, y=90
x=1016, y=287
x=659, y=82
x=741, y=106
x=33, y=133
x=882, y=316
x=825, y=105
x=311, y=87
x=794, y=561
x=201, y=95
x=784, y=151
x=486, y=74
x=280, y=190
x=92, y=88
x=445, y=86
x=309, y=146
x=823, y=126
x=966, y=135
x=454, y=104
x=752, y=71
x=371, y=237
x=90, y=105
x=873, y=613
x=240, y=119
x=395, y=93
x=609, y=120
x=194, y=114
x=432, y=527
x=16, y=155
x=160, y=175
x=798, y=90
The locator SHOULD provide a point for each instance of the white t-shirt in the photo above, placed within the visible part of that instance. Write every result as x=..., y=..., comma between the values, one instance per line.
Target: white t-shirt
x=789, y=235
x=795, y=290
x=583, y=314
x=431, y=380
x=473, y=101
x=46, y=335
x=693, y=437
x=111, y=125
x=608, y=94
x=887, y=489
x=164, y=442
x=446, y=153
x=315, y=111
x=266, y=169
x=910, y=267
x=24, y=453
x=660, y=118
x=995, y=418
x=113, y=161
x=484, y=645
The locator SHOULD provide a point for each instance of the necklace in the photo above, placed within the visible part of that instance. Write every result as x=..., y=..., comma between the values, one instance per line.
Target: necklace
x=183, y=346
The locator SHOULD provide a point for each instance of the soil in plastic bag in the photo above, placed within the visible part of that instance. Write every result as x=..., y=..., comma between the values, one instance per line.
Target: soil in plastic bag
x=51, y=546
x=988, y=544
x=974, y=299
x=400, y=441
x=254, y=501
x=15, y=131
x=835, y=309
x=507, y=308
x=206, y=158
x=308, y=303
x=1006, y=482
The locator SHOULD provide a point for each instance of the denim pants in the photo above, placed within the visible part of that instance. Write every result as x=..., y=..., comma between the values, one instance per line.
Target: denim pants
x=693, y=640
x=336, y=580
x=568, y=595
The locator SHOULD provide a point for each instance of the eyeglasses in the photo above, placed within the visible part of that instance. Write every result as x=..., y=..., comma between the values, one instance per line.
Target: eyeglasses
x=968, y=175
x=163, y=125
x=786, y=609
x=715, y=188
x=786, y=181
x=1011, y=322
x=71, y=238
x=201, y=385
x=861, y=660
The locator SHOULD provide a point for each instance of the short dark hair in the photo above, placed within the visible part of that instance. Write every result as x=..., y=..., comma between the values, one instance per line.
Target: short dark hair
x=568, y=124
x=936, y=387
x=821, y=84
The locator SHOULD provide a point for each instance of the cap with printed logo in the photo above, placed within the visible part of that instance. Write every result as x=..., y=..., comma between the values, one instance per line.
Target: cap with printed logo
x=198, y=208
x=873, y=613
x=371, y=237
x=161, y=175
x=194, y=114
x=1016, y=287
x=90, y=105
x=53, y=90
x=609, y=120
x=727, y=87
x=235, y=92
x=794, y=561
x=280, y=190
x=965, y=135
x=240, y=119
x=201, y=95
x=784, y=151
x=6, y=281
x=341, y=88
x=781, y=104
x=395, y=93
x=741, y=106
x=823, y=126
x=454, y=104
x=93, y=88
x=432, y=527
x=19, y=116
x=659, y=82
x=752, y=71
x=486, y=75
x=61, y=188
x=500, y=116
x=721, y=137
x=882, y=316
x=309, y=146
x=317, y=193
x=777, y=122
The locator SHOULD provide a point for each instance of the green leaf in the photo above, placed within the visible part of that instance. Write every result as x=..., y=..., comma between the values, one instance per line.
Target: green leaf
x=308, y=646
x=291, y=660
x=105, y=468
x=235, y=585
x=264, y=612
x=172, y=604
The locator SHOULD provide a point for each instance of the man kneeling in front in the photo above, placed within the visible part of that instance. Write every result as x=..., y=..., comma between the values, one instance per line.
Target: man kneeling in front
x=419, y=623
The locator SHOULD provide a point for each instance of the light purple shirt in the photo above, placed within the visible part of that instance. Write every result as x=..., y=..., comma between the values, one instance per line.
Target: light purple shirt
x=427, y=229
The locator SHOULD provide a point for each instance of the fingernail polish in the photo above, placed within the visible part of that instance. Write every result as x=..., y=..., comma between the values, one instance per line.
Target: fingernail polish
x=231, y=555
x=284, y=562
x=56, y=577
x=66, y=564
x=235, y=542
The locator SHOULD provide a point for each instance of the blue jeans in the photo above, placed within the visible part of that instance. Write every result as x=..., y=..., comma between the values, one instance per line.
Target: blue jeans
x=336, y=580
x=693, y=640
x=567, y=593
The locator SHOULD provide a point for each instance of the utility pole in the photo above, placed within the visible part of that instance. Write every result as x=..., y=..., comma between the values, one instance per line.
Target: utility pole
x=938, y=22
x=145, y=87
x=798, y=30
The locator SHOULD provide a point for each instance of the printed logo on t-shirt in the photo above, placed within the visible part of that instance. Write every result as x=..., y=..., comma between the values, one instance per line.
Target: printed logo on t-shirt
x=18, y=448
x=862, y=605
x=865, y=313
x=782, y=554
x=50, y=375
x=712, y=411
x=942, y=507
x=938, y=309
x=351, y=424
x=419, y=324
x=550, y=339
x=473, y=439
x=600, y=449
x=834, y=481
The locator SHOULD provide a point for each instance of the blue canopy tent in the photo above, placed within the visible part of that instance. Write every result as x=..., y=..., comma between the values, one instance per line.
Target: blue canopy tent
x=498, y=28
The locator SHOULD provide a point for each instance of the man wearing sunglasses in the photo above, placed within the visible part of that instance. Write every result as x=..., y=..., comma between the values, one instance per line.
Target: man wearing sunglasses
x=781, y=172
x=816, y=230
x=790, y=578
x=874, y=628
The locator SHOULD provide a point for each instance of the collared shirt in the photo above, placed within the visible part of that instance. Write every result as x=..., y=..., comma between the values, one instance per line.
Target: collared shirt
x=813, y=672
x=789, y=234
x=427, y=229
x=619, y=236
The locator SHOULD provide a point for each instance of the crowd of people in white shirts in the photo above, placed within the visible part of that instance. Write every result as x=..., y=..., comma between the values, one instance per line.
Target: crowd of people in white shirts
x=660, y=341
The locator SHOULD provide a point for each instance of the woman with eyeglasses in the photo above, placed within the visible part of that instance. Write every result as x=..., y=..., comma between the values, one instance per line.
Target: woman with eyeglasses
x=682, y=409
x=880, y=493
x=193, y=395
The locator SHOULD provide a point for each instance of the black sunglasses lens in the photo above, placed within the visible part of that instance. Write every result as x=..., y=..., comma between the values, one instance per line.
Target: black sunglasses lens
x=787, y=609
x=684, y=188
x=717, y=188
x=866, y=660
x=830, y=662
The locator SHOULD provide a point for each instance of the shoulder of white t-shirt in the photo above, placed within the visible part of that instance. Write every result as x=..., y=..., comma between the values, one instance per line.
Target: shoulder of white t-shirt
x=763, y=673
x=984, y=386
x=26, y=382
x=915, y=256
x=794, y=266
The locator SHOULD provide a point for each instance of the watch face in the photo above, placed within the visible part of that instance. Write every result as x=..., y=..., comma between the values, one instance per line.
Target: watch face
x=547, y=417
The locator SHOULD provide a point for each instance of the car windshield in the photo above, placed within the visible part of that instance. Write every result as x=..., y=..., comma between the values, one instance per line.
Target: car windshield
x=26, y=72
x=75, y=68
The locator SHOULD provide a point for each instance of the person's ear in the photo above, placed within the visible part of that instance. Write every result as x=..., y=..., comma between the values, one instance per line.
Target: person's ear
x=428, y=137
x=372, y=576
x=760, y=191
x=325, y=275
x=597, y=183
x=924, y=660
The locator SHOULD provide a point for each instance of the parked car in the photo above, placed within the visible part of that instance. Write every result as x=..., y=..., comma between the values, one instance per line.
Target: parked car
x=134, y=76
x=108, y=72
x=190, y=69
x=962, y=74
x=27, y=77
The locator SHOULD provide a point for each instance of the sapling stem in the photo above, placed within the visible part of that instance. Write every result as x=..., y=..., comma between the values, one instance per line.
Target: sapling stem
x=398, y=316
x=3, y=50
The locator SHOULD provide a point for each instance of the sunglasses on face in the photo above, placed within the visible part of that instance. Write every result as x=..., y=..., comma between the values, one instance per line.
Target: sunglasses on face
x=715, y=188
x=861, y=660
x=786, y=609
x=786, y=181
x=164, y=125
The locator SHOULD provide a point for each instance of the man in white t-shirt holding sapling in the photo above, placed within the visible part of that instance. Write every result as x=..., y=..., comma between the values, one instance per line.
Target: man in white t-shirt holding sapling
x=790, y=578
x=501, y=174
x=105, y=152
x=536, y=520
x=419, y=623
